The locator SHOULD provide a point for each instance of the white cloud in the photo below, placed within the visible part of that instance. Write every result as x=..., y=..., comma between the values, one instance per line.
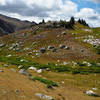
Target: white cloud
x=90, y=15
x=36, y=10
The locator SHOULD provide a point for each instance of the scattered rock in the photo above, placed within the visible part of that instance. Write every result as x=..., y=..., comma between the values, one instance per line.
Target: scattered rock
x=63, y=33
x=73, y=34
x=92, y=93
x=43, y=96
x=33, y=68
x=6, y=65
x=82, y=50
x=50, y=47
x=20, y=66
x=42, y=50
x=61, y=46
x=50, y=87
x=2, y=45
x=54, y=50
x=67, y=48
x=9, y=55
x=12, y=69
x=94, y=89
x=39, y=71
x=24, y=72
x=1, y=71
x=16, y=91
x=47, y=69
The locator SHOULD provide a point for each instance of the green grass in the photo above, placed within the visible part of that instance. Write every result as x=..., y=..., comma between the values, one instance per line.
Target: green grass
x=45, y=81
x=80, y=69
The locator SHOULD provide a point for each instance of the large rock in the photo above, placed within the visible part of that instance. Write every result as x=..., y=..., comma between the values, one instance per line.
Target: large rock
x=43, y=96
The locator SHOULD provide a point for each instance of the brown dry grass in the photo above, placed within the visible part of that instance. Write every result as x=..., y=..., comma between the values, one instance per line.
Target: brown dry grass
x=72, y=89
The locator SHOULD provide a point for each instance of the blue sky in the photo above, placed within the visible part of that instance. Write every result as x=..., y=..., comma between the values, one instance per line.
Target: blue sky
x=37, y=10
x=87, y=4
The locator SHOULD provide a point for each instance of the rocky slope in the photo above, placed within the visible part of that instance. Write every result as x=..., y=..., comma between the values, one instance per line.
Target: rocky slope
x=52, y=63
x=10, y=25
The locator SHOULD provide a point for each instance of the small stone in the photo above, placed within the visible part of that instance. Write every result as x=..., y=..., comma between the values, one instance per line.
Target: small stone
x=61, y=46
x=50, y=47
x=17, y=91
x=1, y=71
x=54, y=50
x=6, y=65
x=33, y=68
x=92, y=93
x=24, y=72
x=63, y=33
x=73, y=33
x=39, y=71
x=43, y=96
x=67, y=48
x=42, y=50
x=94, y=89
x=13, y=69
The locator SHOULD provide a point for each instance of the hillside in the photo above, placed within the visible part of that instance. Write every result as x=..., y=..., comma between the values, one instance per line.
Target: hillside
x=59, y=62
x=11, y=25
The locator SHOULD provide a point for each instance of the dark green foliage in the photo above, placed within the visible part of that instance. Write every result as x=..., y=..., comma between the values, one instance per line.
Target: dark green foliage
x=65, y=24
x=83, y=22
x=80, y=69
x=45, y=81
x=81, y=64
x=97, y=49
x=72, y=21
x=43, y=22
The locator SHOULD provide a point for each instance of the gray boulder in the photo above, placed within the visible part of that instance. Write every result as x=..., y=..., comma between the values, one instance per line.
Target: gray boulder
x=42, y=50
x=2, y=45
x=50, y=47
x=43, y=96
x=67, y=48
x=61, y=46
x=24, y=72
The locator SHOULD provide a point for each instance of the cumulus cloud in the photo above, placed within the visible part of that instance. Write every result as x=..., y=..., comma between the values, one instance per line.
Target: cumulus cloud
x=90, y=15
x=48, y=9
x=36, y=10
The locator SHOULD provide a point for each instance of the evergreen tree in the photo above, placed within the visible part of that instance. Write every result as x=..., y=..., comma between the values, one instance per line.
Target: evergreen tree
x=72, y=21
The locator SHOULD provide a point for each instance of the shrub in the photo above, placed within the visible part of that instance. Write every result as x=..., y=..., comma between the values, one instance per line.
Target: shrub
x=45, y=81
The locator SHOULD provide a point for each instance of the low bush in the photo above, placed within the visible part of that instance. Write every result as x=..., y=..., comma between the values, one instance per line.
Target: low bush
x=45, y=81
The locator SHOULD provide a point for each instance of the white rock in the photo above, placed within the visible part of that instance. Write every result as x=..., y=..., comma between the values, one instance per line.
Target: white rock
x=33, y=68
x=24, y=72
x=91, y=93
x=39, y=71
x=94, y=89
